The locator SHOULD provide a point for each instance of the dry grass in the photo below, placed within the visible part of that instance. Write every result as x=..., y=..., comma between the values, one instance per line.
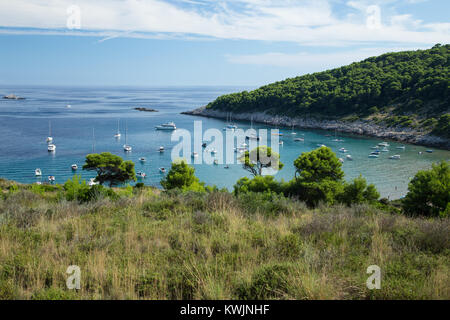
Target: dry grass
x=213, y=246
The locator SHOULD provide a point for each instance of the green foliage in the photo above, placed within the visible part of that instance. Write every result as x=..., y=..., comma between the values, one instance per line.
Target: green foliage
x=182, y=176
x=358, y=192
x=429, y=192
x=258, y=184
x=402, y=80
x=318, y=165
x=260, y=158
x=110, y=168
x=78, y=190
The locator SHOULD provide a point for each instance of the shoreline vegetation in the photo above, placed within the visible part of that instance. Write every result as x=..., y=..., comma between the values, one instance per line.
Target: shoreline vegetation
x=401, y=96
x=191, y=241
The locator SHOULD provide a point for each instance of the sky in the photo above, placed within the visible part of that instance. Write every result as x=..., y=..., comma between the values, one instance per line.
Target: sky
x=204, y=42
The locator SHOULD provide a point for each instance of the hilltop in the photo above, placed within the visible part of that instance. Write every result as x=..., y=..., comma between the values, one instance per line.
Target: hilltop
x=403, y=96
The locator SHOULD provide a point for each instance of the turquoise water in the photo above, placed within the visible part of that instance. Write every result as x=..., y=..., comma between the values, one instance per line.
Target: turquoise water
x=24, y=128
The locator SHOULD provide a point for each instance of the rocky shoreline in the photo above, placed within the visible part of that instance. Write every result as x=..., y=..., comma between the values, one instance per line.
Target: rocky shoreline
x=360, y=127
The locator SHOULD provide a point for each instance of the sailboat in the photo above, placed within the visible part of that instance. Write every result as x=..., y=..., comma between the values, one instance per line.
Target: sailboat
x=335, y=137
x=293, y=132
x=49, y=138
x=93, y=140
x=126, y=147
x=117, y=135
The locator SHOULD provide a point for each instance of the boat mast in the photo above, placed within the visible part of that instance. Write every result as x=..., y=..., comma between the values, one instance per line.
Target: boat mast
x=93, y=140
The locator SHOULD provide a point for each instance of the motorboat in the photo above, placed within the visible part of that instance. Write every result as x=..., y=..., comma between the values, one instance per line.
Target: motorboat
x=162, y=170
x=74, y=167
x=374, y=156
x=341, y=160
x=281, y=143
x=167, y=126
x=141, y=174
x=51, y=147
x=349, y=157
x=429, y=151
x=343, y=150
x=321, y=145
x=213, y=151
x=395, y=157
x=216, y=162
x=142, y=159
x=227, y=167
x=194, y=155
x=51, y=178
x=37, y=172
x=385, y=149
x=204, y=145
x=299, y=139
x=401, y=147
x=161, y=149
x=92, y=182
x=383, y=144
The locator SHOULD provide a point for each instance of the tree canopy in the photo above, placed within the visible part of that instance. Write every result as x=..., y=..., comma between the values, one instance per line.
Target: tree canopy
x=182, y=176
x=110, y=168
x=260, y=158
x=429, y=192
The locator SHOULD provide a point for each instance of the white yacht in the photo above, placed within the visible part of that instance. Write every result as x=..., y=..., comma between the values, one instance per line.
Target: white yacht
x=74, y=167
x=299, y=139
x=349, y=157
x=194, y=155
x=161, y=149
x=216, y=162
x=126, y=146
x=51, y=178
x=38, y=172
x=92, y=182
x=383, y=144
x=343, y=150
x=142, y=159
x=117, y=135
x=49, y=138
x=141, y=174
x=373, y=156
x=162, y=170
x=401, y=147
x=167, y=126
x=51, y=147
x=395, y=157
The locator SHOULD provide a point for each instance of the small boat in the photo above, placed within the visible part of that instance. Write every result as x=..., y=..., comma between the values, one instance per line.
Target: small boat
x=373, y=156
x=429, y=151
x=126, y=146
x=92, y=182
x=376, y=147
x=349, y=157
x=141, y=174
x=162, y=170
x=227, y=167
x=142, y=159
x=216, y=162
x=161, y=149
x=51, y=147
x=68, y=106
x=74, y=167
x=167, y=126
x=38, y=172
x=401, y=147
x=278, y=134
x=117, y=135
x=343, y=150
x=375, y=152
x=341, y=160
x=299, y=139
x=395, y=157
x=384, y=149
x=281, y=143
x=49, y=138
x=204, y=145
x=383, y=144
x=213, y=151
x=194, y=155
x=51, y=178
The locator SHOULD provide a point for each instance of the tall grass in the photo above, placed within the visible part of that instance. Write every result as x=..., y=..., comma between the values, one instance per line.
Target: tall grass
x=153, y=245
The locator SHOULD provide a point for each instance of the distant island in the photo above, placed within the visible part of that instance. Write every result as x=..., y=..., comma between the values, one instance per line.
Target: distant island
x=404, y=96
x=13, y=97
x=145, y=109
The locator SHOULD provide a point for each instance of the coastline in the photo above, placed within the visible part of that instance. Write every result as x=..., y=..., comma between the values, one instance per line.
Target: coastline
x=359, y=127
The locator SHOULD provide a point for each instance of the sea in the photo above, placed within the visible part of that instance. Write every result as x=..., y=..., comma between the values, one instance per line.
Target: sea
x=85, y=119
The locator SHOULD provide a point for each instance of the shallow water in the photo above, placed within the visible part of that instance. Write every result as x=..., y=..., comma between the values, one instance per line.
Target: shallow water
x=24, y=128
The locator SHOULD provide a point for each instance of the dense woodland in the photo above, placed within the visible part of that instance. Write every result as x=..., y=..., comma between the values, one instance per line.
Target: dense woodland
x=407, y=89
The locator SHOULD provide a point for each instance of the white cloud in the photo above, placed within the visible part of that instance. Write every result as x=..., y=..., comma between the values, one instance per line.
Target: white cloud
x=301, y=21
x=313, y=61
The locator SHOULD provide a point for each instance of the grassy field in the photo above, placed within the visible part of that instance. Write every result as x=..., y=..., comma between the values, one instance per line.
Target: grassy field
x=148, y=244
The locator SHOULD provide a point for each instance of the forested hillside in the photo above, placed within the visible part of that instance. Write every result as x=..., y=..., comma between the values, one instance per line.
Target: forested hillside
x=409, y=89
